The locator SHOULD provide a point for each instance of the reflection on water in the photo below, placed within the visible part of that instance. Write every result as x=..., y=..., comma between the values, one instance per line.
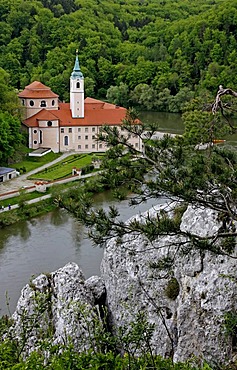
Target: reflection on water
x=172, y=122
x=166, y=122
x=58, y=218
x=21, y=230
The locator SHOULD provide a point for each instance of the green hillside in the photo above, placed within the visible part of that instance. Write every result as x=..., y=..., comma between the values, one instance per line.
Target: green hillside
x=151, y=50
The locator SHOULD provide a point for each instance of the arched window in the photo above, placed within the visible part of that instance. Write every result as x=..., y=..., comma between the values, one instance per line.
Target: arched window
x=78, y=85
x=23, y=101
x=32, y=103
x=65, y=140
x=53, y=102
x=43, y=103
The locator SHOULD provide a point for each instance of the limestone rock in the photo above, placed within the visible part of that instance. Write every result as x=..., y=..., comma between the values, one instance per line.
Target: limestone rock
x=60, y=306
x=96, y=285
x=200, y=221
x=186, y=325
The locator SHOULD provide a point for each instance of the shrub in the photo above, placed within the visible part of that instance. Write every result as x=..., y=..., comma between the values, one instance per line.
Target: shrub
x=172, y=288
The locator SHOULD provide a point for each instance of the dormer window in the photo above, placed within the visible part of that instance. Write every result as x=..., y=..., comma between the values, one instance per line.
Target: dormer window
x=43, y=103
x=32, y=103
x=49, y=123
x=78, y=85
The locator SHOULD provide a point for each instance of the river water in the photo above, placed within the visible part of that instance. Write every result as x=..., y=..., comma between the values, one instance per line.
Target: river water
x=166, y=122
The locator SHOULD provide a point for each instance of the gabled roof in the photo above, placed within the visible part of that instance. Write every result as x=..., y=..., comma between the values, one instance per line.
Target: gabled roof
x=43, y=115
x=97, y=113
x=37, y=90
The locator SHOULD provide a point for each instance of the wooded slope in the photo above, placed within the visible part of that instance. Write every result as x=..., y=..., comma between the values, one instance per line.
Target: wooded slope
x=174, y=47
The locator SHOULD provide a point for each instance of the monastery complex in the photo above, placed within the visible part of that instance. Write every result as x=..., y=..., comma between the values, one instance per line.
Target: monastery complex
x=70, y=126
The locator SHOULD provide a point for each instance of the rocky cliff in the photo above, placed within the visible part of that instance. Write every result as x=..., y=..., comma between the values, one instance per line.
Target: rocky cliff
x=188, y=304
x=185, y=304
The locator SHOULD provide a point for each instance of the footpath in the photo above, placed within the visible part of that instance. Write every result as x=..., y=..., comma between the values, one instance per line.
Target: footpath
x=12, y=187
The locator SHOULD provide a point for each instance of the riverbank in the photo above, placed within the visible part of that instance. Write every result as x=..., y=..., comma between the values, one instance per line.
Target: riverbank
x=24, y=209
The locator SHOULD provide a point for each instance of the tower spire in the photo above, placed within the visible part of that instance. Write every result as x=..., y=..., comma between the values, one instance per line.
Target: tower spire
x=76, y=70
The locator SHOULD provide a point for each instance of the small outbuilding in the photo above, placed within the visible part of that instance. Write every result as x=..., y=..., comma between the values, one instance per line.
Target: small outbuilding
x=7, y=173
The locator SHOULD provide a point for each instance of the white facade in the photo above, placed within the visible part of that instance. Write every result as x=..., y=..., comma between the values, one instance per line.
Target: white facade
x=77, y=91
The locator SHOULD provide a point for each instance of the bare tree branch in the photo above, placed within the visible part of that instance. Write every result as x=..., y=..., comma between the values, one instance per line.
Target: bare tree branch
x=218, y=103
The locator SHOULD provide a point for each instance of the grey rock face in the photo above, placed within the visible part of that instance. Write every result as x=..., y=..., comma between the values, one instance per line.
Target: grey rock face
x=186, y=305
x=60, y=306
x=186, y=325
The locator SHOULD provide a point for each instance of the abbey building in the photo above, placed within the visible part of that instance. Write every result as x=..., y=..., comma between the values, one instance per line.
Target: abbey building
x=70, y=126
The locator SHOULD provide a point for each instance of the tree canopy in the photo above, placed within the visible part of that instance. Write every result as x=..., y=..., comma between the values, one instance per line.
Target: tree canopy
x=173, y=47
x=10, y=123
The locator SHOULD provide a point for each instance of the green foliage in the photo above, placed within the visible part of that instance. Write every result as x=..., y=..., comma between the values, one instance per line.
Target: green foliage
x=118, y=94
x=179, y=47
x=26, y=212
x=10, y=136
x=202, y=127
x=172, y=288
x=103, y=356
x=230, y=325
x=69, y=359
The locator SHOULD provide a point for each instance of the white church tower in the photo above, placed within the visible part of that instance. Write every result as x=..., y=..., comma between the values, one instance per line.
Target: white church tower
x=77, y=91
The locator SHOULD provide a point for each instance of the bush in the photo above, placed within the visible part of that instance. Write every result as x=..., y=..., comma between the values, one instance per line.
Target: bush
x=87, y=169
x=172, y=288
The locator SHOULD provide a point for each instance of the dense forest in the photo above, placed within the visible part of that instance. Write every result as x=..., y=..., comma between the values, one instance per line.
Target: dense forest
x=154, y=54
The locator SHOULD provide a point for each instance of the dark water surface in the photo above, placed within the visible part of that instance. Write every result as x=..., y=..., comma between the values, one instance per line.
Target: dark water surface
x=166, y=122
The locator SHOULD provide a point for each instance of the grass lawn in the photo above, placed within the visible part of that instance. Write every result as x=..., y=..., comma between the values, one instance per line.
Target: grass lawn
x=30, y=163
x=23, y=196
x=64, y=168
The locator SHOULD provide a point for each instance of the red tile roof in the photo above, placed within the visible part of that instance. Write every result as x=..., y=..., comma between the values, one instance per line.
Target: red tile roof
x=37, y=90
x=97, y=113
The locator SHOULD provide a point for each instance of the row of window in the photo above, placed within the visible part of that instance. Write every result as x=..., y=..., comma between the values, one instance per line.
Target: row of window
x=93, y=146
x=43, y=103
x=79, y=146
x=86, y=137
x=79, y=129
